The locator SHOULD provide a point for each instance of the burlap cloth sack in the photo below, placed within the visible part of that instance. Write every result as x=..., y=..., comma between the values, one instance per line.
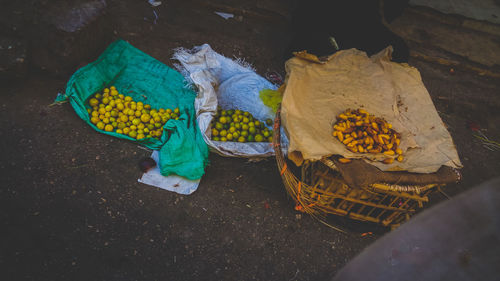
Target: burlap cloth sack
x=317, y=91
x=358, y=173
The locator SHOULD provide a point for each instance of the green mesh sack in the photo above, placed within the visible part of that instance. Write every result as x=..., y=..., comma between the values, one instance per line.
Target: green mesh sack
x=181, y=148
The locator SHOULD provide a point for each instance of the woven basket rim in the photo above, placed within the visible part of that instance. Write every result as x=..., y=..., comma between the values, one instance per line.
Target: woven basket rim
x=294, y=185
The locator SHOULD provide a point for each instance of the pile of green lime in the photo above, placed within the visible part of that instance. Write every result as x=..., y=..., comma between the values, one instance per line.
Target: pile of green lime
x=235, y=125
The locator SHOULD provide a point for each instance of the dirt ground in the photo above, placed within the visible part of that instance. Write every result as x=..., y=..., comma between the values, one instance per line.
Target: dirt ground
x=71, y=207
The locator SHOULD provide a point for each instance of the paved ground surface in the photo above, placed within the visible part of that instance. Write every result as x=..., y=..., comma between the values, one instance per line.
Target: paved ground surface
x=71, y=207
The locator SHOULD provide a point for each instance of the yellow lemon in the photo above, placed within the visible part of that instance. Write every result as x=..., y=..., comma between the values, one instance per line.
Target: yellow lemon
x=119, y=131
x=100, y=125
x=132, y=134
x=145, y=118
x=93, y=102
x=126, y=130
x=94, y=120
x=140, y=136
x=95, y=113
x=102, y=110
x=105, y=100
x=108, y=128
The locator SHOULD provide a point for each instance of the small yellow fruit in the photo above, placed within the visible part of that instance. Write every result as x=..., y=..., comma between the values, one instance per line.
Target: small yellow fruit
x=145, y=118
x=108, y=128
x=93, y=102
x=100, y=125
x=132, y=134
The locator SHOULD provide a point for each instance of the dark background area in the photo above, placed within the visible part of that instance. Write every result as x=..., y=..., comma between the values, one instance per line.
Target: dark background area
x=70, y=204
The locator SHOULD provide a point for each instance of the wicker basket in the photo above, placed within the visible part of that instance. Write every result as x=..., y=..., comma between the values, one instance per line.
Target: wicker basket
x=322, y=191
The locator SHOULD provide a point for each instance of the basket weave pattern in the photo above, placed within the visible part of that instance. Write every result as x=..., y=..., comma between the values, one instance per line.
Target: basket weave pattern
x=321, y=191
